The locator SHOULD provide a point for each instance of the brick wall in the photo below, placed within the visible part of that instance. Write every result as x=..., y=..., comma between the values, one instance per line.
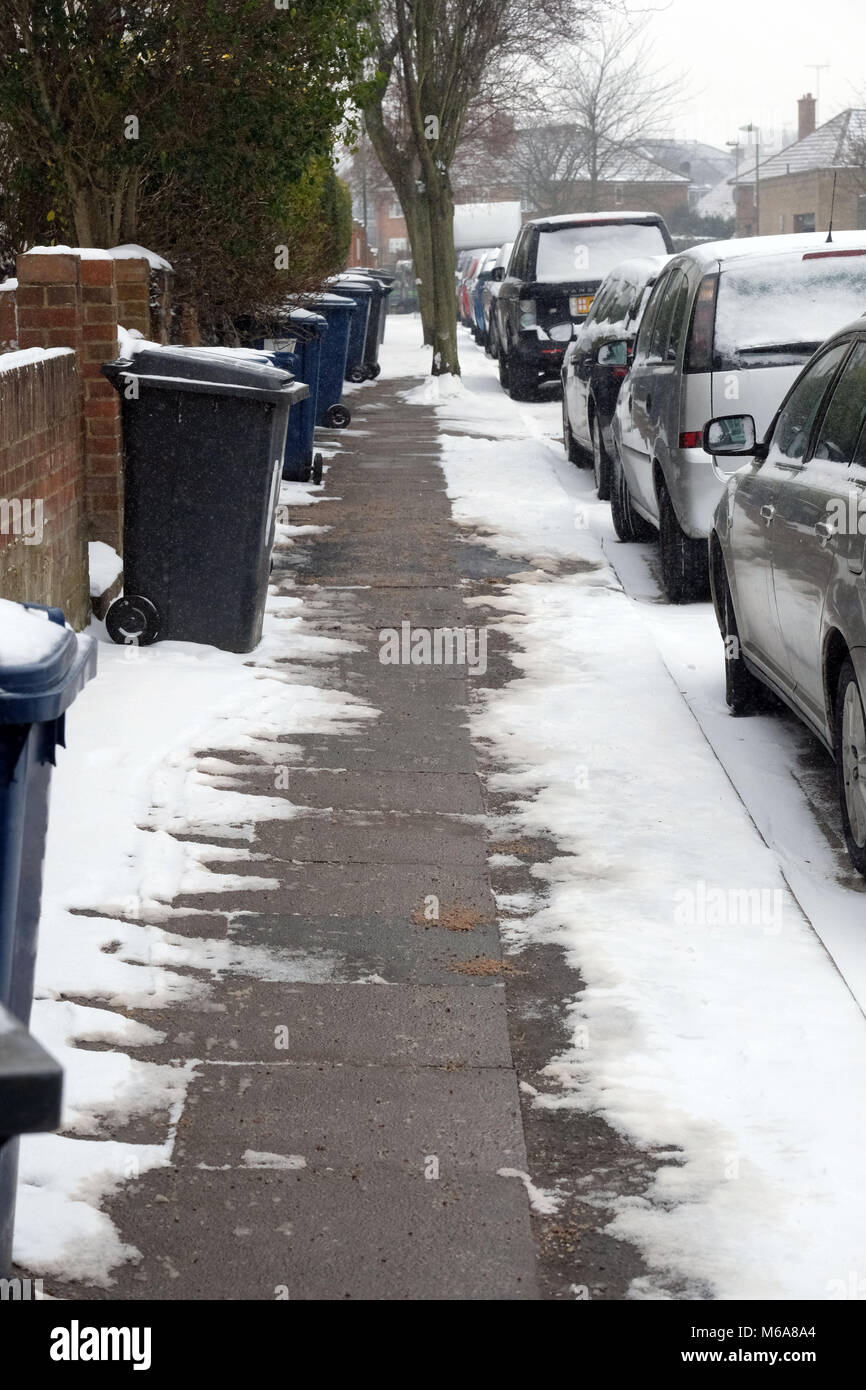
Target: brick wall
x=69, y=300
x=132, y=276
x=43, y=548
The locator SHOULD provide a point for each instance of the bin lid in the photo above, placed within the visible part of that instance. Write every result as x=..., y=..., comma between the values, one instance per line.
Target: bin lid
x=354, y=285
x=214, y=371
x=333, y=301
x=312, y=322
x=43, y=663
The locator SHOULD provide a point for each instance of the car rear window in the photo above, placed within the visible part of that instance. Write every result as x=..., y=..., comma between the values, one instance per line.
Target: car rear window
x=775, y=311
x=591, y=251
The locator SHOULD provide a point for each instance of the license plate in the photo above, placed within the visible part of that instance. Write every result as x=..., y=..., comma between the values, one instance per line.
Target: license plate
x=579, y=305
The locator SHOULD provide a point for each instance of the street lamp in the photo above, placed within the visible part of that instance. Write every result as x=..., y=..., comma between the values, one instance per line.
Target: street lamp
x=752, y=129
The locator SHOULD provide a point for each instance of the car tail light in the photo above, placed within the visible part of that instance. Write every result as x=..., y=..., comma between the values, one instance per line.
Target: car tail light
x=699, y=351
x=691, y=439
x=619, y=373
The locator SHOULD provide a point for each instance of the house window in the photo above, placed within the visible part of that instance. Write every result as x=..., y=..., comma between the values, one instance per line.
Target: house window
x=617, y=195
x=781, y=222
x=804, y=221
x=395, y=210
x=397, y=243
x=861, y=212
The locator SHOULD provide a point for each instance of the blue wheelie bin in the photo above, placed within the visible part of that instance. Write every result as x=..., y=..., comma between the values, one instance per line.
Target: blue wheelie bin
x=351, y=281
x=362, y=292
x=299, y=351
x=43, y=666
x=339, y=312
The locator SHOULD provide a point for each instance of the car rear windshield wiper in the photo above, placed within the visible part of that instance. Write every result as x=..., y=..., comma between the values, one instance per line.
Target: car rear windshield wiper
x=779, y=347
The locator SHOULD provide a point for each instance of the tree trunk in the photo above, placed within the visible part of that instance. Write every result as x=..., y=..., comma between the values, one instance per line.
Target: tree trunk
x=418, y=227
x=440, y=207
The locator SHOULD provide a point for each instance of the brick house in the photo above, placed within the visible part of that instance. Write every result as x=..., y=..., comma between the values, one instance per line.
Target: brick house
x=793, y=191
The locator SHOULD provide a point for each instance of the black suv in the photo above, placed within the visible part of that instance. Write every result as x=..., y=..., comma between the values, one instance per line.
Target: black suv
x=555, y=269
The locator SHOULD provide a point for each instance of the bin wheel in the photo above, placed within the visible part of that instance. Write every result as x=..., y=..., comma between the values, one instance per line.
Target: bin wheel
x=133, y=620
x=337, y=417
x=318, y=463
x=375, y=370
x=358, y=373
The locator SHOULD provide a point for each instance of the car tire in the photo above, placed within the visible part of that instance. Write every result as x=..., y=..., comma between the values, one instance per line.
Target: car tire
x=629, y=526
x=744, y=693
x=849, y=747
x=522, y=383
x=600, y=460
x=573, y=453
x=503, y=370
x=684, y=560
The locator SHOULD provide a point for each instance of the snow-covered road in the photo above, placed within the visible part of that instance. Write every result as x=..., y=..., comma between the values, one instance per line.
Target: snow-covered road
x=700, y=889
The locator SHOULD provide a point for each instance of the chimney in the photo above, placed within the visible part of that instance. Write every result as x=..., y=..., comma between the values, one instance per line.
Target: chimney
x=805, y=116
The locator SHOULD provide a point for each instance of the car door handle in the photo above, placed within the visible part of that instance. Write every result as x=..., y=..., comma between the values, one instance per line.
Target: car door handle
x=826, y=530
x=768, y=511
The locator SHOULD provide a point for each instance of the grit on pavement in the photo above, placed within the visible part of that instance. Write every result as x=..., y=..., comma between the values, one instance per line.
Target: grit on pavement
x=361, y=1135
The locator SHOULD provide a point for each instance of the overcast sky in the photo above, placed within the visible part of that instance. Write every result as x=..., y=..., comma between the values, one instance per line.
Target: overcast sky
x=748, y=60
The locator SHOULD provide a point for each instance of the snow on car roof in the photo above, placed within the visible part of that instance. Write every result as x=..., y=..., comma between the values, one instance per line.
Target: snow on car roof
x=572, y=219
x=791, y=243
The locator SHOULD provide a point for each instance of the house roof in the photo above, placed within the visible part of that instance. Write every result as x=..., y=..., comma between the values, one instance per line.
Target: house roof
x=706, y=164
x=837, y=144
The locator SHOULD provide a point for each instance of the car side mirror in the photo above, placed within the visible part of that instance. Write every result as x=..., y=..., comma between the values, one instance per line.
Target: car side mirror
x=498, y=272
x=732, y=436
x=613, y=354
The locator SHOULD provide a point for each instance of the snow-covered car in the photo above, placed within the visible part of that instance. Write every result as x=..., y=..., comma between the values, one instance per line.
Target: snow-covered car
x=596, y=362
x=553, y=274
x=787, y=555
x=489, y=293
x=728, y=324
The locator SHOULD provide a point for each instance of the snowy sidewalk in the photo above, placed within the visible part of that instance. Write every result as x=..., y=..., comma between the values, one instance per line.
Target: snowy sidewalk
x=355, y=1133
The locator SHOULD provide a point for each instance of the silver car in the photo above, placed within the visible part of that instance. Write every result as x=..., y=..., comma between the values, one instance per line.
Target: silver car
x=787, y=552
x=728, y=327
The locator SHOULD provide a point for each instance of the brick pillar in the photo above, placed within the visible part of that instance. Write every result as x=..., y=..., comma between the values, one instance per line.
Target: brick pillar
x=65, y=300
x=132, y=274
x=8, y=320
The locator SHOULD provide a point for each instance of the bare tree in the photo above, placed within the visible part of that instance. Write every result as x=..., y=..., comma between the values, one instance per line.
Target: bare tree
x=616, y=98
x=436, y=60
x=546, y=159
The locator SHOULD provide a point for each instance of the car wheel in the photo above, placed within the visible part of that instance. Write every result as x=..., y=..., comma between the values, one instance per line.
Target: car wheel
x=572, y=452
x=685, y=562
x=849, y=745
x=522, y=383
x=629, y=526
x=503, y=370
x=600, y=461
x=744, y=693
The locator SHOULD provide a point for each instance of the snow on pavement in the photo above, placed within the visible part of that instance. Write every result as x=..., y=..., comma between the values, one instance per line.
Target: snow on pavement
x=712, y=1028
x=131, y=780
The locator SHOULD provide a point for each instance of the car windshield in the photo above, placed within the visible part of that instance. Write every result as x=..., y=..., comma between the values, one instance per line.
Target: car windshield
x=776, y=311
x=590, y=251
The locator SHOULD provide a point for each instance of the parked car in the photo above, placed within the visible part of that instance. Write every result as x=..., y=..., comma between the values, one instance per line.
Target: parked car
x=596, y=362
x=787, y=555
x=730, y=321
x=489, y=294
x=553, y=274
x=486, y=267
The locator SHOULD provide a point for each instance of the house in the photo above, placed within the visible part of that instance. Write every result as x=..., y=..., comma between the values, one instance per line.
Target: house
x=392, y=236
x=793, y=190
x=703, y=165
